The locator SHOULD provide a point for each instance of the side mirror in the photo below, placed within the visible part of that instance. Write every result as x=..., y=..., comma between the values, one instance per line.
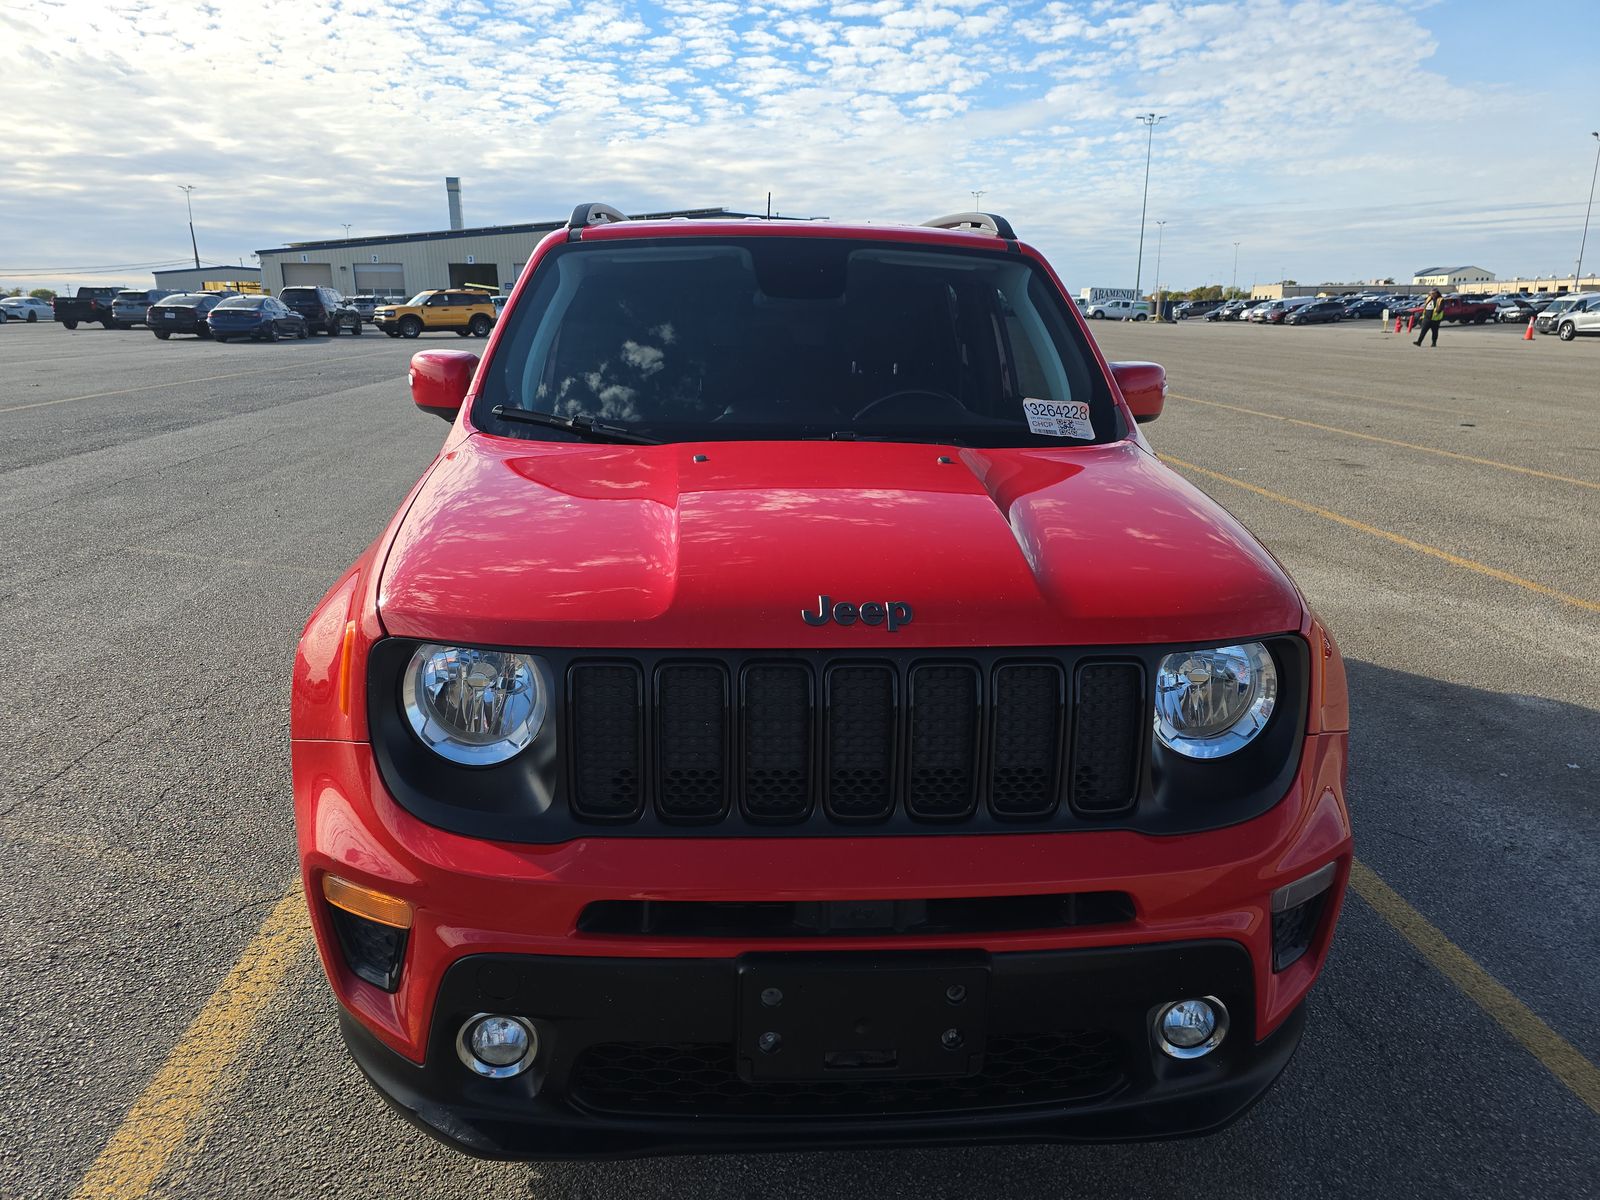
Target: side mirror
x=440, y=379
x=1143, y=386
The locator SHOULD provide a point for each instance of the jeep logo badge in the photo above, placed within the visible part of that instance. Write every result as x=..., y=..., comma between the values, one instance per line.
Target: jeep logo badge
x=894, y=613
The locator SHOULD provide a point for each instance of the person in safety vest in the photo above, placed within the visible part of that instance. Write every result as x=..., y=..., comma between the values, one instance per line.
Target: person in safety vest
x=1431, y=317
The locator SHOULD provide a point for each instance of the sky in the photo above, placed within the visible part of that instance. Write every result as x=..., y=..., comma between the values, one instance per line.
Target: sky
x=1333, y=140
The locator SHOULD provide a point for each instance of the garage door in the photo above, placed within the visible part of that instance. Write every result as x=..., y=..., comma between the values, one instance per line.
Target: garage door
x=307, y=275
x=381, y=279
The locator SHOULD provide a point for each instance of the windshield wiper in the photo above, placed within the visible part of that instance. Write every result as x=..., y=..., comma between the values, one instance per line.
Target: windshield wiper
x=586, y=428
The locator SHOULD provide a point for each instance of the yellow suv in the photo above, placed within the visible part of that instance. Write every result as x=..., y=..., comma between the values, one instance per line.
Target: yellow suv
x=462, y=311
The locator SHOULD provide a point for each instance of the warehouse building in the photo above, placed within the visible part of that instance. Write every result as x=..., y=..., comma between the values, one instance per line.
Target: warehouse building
x=1450, y=279
x=193, y=279
x=399, y=266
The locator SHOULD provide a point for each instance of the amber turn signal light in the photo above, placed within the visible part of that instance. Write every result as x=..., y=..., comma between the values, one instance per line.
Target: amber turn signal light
x=365, y=902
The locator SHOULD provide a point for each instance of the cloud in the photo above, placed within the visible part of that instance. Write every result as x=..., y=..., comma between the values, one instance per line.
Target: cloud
x=1287, y=122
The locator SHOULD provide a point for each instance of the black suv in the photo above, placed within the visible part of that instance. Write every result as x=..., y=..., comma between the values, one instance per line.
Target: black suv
x=324, y=309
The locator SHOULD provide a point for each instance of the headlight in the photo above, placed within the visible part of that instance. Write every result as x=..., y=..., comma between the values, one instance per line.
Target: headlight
x=474, y=707
x=1210, y=703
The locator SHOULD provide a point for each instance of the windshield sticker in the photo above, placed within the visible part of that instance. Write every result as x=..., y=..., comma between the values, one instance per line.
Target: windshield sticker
x=1059, y=418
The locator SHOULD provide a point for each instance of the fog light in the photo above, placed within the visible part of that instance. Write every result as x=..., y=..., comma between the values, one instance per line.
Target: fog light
x=497, y=1047
x=1191, y=1028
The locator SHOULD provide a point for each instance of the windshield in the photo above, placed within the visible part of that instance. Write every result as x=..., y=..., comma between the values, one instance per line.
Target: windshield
x=242, y=302
x=419, y=298
x=779, y=338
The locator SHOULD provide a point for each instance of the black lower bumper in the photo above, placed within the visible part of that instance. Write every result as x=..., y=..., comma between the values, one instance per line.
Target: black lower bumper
x=648, y=1056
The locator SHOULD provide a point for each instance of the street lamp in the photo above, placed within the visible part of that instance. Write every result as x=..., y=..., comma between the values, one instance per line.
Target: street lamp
x=346, y=225
x=1150, y=120
x=1234, y=286
x=1585, y=240
x=977, y=197
x=1161, y=229
x=186, y=188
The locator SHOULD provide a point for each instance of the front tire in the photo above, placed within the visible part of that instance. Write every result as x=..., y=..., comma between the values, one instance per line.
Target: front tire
x=270, y=333
x=70, y=324
x=410, y=327
x=355, y=329
x=1567, y=332
x=32, y=317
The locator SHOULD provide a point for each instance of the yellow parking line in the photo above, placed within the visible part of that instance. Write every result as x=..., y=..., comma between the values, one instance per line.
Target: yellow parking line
x=1372, y=437
x=173, y=383
x=1559, y=1056
x=1455, y=560
x=186, y=1085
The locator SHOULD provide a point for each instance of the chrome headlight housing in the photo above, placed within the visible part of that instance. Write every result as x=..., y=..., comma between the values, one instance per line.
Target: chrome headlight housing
x=475, y=707
x=1213, y=702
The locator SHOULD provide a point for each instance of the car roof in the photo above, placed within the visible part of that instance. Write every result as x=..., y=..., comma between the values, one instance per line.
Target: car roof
x=761, y=227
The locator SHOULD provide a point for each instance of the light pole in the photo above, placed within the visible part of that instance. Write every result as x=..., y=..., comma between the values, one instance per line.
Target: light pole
x=1161, y=230
x=186, y=188
x=346, y=225
x=977, y=197
x=1234, y=286
x=1585, y=240
x=1150, y=120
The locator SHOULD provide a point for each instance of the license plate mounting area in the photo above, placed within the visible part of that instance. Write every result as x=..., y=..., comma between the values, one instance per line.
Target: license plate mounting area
x=823, y=1017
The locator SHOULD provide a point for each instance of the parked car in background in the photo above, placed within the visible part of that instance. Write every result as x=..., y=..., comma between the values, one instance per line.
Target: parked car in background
x=1195, y=308
x=1510, y=309
x=1562, y=307
x=262, y=318
x=1363, y=308
x=1233, y=310
x=86, y=305
x=26, y=308
x=1318, y=312
x=365, y=305
x=1118, y=310
x=325, y=310
x=1581, y=319
x=130, y=307
x=183, y=312
x=461, y=311
x=1279, y=312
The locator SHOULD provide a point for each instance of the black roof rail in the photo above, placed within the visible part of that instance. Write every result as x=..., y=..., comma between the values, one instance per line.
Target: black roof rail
x=980, y=222
x=592, y=213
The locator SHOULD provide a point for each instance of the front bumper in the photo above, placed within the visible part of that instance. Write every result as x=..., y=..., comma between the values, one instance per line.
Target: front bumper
x=641, y=1056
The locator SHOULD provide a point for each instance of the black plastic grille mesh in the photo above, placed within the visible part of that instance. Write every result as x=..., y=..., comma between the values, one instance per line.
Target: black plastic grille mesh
x=870, y=739
x=607, y=736
x=691, y=708
x=372, y=950
x=1107, y=735
x=655, y=1079
x=777, y=741
x=942, y=772
x=1024, y=759
x=861, y=741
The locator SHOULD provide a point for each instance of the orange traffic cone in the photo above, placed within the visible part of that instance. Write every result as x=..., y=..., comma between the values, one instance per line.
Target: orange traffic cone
x=1527, y=334
x=1397, y=324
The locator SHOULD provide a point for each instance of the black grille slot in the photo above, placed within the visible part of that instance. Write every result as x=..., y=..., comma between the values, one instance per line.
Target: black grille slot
x=942, y=772
x=685, y=1079
x=1293, y=930
x=1107, y=733
x=1025, y=750
x=607, y=702
x=861, y=741
x=777, y=741
x=691, y=741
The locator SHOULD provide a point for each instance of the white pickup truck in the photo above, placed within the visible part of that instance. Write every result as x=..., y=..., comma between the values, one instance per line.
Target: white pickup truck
x=1118, y=310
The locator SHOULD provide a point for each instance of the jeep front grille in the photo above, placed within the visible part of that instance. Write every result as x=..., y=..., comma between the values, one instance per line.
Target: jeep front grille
x=847, y=740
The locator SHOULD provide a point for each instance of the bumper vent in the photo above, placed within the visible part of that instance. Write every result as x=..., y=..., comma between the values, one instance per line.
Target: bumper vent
x=831, y=740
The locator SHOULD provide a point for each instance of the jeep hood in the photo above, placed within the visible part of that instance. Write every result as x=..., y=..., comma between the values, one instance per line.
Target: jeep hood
x=528, y=543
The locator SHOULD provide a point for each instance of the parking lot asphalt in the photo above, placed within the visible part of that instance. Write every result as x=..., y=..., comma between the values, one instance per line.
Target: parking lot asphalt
x=174, y=510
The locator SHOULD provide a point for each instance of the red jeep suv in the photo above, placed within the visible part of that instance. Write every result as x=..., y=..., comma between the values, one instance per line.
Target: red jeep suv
x=796, y=708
